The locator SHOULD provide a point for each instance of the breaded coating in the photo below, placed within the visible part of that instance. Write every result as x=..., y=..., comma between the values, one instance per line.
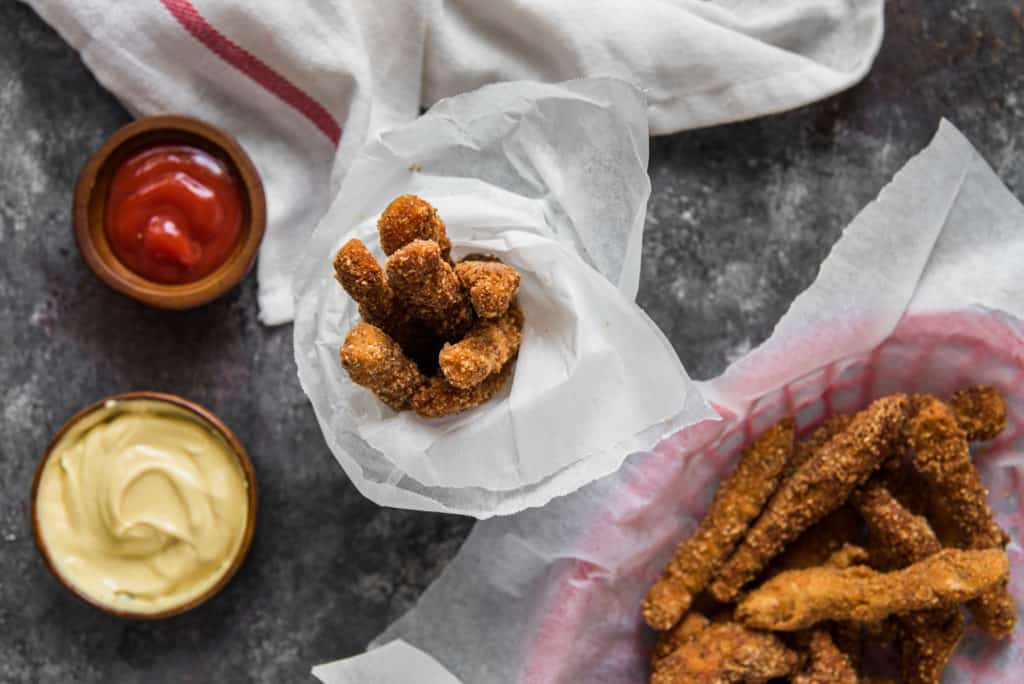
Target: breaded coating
x=428, y=288
x=942, y=457
x=737, y=503
x=900, y=538
x=819, y=542
x=980, y=412
x=410, y=218
x=689, y=627
x=827, y=664
x=485, y=350
x=491, y=285
x=817, y=488
x=439, y=398
x=363, y=279
x=376, y=362
x=725, y=653
x=822, y=435
x=847, y=557
x=799, y=599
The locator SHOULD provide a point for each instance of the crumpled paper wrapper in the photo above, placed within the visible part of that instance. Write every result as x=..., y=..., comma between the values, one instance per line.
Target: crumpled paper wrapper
x=552, y=179
x=923, y=292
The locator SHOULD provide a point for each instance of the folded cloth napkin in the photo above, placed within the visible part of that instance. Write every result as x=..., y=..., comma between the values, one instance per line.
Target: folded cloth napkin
x=303, y=84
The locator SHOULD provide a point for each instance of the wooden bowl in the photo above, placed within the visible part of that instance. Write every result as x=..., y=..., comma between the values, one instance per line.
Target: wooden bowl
x=205, y=417
x=90, y=203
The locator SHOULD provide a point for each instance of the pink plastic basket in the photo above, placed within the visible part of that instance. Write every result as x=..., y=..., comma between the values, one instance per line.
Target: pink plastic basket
x=589, y=627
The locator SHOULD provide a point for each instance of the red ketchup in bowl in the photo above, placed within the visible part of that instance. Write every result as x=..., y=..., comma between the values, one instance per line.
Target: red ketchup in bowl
x=174, y=213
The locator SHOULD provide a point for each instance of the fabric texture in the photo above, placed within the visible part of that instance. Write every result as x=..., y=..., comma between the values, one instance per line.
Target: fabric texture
x=303, y=84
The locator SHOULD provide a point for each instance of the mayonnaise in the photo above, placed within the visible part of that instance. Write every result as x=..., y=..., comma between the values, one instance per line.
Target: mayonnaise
x=141, y=507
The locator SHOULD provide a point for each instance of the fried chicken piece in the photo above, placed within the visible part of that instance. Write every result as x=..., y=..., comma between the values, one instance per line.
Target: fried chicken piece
x=827, y=664
x=410, y=218
x=485, y=350
x=822, y=435
x=439, y=398
x=737, y=503
x=942, y=457
x=376, y=362
x=425, y=284
x=689, y=627
x=491, y=285
x=725, y=653
x=363, y=279
x=819, y=542
x=818, y=487
x=900, y=538
x=980, y=412
x=799, y=599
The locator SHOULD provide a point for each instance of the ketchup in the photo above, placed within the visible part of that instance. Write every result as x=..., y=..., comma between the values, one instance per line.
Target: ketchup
x=174, y=213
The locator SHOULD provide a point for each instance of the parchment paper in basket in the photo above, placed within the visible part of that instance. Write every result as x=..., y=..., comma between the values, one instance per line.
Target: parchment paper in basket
x=552, y=179
x=553, y=595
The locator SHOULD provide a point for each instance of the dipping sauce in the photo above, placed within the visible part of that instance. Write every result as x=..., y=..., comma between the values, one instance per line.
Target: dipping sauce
x=174, y=213
x=141, y=507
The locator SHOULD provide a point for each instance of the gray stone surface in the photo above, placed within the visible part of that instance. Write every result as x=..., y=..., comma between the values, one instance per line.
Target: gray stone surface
x=739, y=219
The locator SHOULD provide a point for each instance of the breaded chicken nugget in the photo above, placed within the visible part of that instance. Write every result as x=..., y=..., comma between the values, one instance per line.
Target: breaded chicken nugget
x=425, y=284
x=410, y=218
x=737, y=503
x=724, y=653
x=799, y=599
x=826, y=663
x=485, y=350
x=980, y=412
x=491, y=285
x=376, y=362
x=363, y=279
x=942, y=457
x=817, y=488
x=689, y=627
x=439, y=398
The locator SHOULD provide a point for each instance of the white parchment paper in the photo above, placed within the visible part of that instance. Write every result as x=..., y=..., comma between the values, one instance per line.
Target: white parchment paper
x=553, y=595
x=552, y=179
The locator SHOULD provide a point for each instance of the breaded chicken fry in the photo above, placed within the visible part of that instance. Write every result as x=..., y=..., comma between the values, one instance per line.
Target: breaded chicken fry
x=817, y=488
x=485, y=350
x=428, y=288
x=410, y=218
x=376, y=362
x=980, y=411
x=827, y=664
x=363, y=279
x=737, y=503
x=799, y=599
x=439, y=398
x=943, y=458
x=809, y=445
x=689, y=627
x=724, y=653
x=491, y=285
x=928, y=638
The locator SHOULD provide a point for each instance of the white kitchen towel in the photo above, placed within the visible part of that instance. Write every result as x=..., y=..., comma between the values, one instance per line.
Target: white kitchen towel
x=303, y=84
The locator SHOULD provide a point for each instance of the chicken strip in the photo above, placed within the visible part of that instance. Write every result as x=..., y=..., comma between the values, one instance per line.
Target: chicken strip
x=410, y=218
x=439, y=398
x=363, y=279
x=688, y=628
x=376, y=362
x=737, y=503
x=725, y=653
x=928, y=638
x=485, y=350
x=827, y=664
x=428, y=288
x=491, y=285
x=799, y=599
x=817, y=488
x=980, y=412
x=812, y=443
x=942, y=457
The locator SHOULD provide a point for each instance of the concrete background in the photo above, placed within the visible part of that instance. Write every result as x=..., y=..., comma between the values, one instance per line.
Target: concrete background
x=739, y=219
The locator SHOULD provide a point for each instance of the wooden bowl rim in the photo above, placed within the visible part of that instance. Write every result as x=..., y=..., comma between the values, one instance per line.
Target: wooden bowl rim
x=161, y=295
x=205, y=416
